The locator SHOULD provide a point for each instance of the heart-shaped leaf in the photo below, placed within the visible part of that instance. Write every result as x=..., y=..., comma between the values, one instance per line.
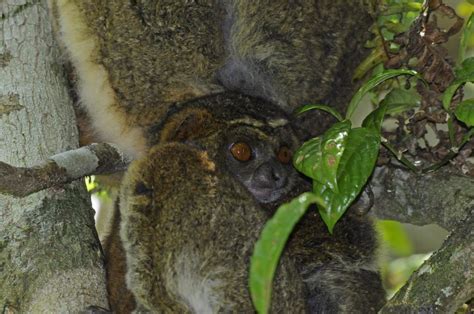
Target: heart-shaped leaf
x=307, y=158
x=319, y=157
x=355, y=167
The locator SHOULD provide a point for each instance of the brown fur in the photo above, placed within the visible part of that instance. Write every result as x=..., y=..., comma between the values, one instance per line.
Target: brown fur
x=134, y=59
x=139, y=62
x=204, y=240
x=207, y=220
x=120, y=298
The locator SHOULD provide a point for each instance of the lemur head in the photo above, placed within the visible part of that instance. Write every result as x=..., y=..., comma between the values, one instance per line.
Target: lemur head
x=248, y=137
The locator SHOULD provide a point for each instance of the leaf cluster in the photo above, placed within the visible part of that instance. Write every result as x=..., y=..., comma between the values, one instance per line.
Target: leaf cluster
x=340, y=161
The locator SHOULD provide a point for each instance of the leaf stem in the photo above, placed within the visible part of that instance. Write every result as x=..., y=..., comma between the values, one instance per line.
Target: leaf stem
x=399, y=156
x=452, y=153
x=444, y=161
x=451, y=131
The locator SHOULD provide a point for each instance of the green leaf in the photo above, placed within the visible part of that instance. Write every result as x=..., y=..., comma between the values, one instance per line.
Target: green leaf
x=308, y=156
x=395, y=27
x=393, y=8
x=373, y=82
x=355, y=167
x=375, y=57
x=396, y=101
x=91, y=184
x=395, y=237
x=400, y=99
x=465, y=112
x=466, y=35
x=270, y=245
x=328, y=109
x=463, y=74
x=332, y=147
x=319, y=157
x=374, y=120
x=448, y=95
x=467, y=137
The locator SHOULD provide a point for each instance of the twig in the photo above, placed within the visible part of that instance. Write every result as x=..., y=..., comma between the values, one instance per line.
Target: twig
x=62, y=168
x=399, y=156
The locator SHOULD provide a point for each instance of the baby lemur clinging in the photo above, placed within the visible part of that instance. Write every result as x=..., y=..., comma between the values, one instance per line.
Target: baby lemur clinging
x=188, y=226
x=155, y=77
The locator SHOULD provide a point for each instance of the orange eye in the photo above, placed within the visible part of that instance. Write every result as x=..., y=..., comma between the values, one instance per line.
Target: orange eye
x=241, y=151
x=284, y=155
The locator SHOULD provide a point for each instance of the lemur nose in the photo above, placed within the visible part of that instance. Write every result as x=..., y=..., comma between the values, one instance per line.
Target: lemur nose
x=270, y=175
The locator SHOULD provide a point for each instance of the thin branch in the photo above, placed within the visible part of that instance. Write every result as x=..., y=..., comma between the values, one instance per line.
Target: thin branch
x=445, y=281
x=399, y=155
x=62, y=168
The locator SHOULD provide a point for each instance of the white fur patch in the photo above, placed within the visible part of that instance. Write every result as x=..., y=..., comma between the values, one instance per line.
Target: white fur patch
x=95, y=90
x=201, y=293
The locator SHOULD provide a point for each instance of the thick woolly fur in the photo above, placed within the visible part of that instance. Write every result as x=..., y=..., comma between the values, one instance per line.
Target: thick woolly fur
x=152, y=72
x=136, y=58
x=132, y=64
x=94, y=87
x=289, y=52
x=195, y=261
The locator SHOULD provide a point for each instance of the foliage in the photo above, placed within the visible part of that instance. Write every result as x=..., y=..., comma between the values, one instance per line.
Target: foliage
x=270, y=245
x=348, y=157
x=400, y=269
x=340, y=161
x=394, y=236
x=392, y=17
x=465, y=112
x=95, y=187
x=467, y=38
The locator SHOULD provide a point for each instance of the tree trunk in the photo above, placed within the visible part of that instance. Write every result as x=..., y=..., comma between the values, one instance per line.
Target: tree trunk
x=50, y=256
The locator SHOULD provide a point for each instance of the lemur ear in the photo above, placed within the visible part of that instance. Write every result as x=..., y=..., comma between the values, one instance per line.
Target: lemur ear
x=188, y=124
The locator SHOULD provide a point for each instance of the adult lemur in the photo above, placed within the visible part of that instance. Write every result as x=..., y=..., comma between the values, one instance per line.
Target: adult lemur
x=155, y=77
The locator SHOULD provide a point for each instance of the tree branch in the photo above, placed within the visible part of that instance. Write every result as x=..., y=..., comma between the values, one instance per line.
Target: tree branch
x=61, y=169
x=445, y=281
x=443, y=197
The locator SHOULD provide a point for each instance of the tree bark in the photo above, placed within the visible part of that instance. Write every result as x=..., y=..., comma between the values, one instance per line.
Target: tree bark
x=443, y=197
x=445, y=281
x=62, y=168
x=50, y=257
